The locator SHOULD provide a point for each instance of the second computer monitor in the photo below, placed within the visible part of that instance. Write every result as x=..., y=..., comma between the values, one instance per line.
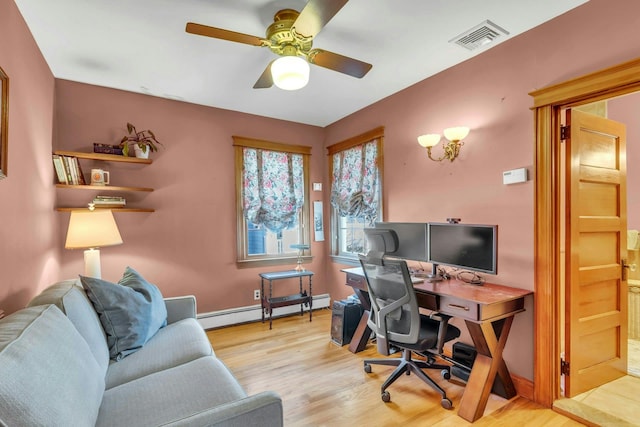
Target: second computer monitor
x=412, y=239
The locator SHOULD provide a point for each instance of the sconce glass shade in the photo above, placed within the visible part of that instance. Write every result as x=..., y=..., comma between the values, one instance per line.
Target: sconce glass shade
x=290, y=72
x=429, y=140
x=456, y=133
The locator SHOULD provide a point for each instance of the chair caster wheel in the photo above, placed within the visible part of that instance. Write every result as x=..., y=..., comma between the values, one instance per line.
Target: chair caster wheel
x=446, y=374
x=386, y=397
x=446, y=403
x=367, y=368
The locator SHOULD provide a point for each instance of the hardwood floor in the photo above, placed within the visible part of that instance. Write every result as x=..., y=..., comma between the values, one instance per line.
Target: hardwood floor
x=323, y=384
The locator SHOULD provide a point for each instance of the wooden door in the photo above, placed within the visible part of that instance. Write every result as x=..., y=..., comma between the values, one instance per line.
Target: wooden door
x=596, y=236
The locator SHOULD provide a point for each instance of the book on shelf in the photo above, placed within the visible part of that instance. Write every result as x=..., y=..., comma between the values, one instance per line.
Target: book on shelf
x=79, y=174
x=59, y=167
x=100, y=197
x=109, y=202
x=68, y=170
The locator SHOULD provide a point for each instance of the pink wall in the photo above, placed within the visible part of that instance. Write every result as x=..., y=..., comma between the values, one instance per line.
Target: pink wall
x=29, y=258
x=489, y=93
x=188, y=245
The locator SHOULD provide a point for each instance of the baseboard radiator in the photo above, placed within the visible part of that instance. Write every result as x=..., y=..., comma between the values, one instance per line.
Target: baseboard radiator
x=634, y=309
x=252, y=313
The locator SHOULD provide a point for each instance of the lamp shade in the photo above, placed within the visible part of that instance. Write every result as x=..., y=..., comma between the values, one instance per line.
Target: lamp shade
x=92, y=229
x=429, y=140
x=290, y=72
x=456, y=133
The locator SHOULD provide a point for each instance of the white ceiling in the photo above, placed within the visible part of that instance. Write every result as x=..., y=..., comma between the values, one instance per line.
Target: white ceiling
x=141, y=46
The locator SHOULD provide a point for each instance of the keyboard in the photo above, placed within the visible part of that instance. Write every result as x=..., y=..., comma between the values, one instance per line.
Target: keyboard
x=415, y=280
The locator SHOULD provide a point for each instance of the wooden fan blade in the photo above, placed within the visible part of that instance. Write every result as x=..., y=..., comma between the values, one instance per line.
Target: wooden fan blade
x=340, y=63
x=265, y=81
x=219, y=33
x=315, y=16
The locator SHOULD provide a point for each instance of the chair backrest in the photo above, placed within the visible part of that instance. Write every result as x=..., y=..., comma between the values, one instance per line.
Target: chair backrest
x=394, y=309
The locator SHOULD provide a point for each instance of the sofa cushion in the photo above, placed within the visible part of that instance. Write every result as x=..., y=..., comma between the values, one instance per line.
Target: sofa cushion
x=173, y=345
x=69, y=297
x=131, y=311
x=170, y=395
x=48, y=375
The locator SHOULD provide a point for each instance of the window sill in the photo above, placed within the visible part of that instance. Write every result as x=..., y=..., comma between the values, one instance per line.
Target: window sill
x=340, y=259
x=291, y=261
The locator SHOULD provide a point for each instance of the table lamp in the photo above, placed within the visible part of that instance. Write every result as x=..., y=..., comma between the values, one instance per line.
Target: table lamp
x=301, y=248
x=90, y=230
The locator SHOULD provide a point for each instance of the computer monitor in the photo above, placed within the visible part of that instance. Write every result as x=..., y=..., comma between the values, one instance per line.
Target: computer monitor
x=471, y=247
x=412, y=239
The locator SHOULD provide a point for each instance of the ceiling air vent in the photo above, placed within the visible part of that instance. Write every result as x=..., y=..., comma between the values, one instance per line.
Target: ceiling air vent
x=480, y=35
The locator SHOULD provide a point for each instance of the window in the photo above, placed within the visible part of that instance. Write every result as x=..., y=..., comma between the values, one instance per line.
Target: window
x=272, y=201
x=356, y=191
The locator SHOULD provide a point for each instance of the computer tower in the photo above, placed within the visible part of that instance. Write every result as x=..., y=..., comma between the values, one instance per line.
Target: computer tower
x=465, y=355
x=344, y=321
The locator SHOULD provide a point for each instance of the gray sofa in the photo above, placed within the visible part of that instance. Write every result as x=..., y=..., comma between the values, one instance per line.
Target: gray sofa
x=55, y=371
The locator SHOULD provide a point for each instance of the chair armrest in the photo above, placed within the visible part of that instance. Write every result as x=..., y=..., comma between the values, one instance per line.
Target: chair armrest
x=259, y=410
x=179, y=308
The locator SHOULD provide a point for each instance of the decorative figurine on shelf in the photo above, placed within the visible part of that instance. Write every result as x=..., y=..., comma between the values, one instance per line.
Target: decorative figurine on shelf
x=301, y=248
x=143, y=142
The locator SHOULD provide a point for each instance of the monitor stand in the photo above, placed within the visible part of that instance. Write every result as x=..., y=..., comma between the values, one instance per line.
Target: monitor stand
x=434, y=276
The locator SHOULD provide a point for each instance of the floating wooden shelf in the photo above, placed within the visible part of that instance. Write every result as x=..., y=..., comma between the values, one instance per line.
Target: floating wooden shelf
x=104, y=157
x=111, y=209
x=103, y=187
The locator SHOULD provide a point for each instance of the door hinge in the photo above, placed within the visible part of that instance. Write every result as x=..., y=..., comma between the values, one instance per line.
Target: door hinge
x=564, y=367
x=564, y=132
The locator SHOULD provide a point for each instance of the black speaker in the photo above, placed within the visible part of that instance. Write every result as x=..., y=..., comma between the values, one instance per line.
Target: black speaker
x=344, y=321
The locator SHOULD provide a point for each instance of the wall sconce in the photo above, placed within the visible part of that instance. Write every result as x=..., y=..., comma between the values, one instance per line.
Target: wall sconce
x=454, y=135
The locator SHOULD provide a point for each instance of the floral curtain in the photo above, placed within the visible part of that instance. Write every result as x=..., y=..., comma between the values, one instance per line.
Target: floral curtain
x=273, y=188
x=354, y=191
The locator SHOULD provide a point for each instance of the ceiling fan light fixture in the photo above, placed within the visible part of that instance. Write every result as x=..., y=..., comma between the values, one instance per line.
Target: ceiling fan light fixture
x=290, y=72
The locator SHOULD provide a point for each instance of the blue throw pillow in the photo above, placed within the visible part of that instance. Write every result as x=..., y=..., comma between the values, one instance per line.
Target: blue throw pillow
x=131, y=311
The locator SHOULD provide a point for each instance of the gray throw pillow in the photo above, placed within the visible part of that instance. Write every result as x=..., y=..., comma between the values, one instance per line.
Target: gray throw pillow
x=131, y=311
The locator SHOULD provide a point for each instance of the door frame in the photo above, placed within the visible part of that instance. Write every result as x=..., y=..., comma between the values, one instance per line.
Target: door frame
x=547, y=104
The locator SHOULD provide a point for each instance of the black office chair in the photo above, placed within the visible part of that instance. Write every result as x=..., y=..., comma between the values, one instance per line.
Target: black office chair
x=397, y=322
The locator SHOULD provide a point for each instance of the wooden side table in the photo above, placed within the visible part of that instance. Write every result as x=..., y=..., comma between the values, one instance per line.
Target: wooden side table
x=269, y=302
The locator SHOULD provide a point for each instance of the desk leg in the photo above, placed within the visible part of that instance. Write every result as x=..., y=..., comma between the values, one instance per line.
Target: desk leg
x=363, y=331
x=489, y=340
x=361, y=335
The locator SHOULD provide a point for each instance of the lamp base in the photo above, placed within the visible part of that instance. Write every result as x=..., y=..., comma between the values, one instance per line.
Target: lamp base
x=92, y=263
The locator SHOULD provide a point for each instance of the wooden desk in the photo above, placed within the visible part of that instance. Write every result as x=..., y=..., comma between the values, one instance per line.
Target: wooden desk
x=488, y=312
x=269, y=302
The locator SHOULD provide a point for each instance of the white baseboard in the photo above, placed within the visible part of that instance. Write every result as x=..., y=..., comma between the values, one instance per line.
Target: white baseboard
x=252, y=313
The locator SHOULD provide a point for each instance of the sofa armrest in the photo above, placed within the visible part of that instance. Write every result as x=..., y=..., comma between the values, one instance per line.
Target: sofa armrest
x=259, y=410
x=179, y=308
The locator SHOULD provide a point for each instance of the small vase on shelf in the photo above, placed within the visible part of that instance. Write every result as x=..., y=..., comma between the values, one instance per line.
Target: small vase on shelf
x=140, y=153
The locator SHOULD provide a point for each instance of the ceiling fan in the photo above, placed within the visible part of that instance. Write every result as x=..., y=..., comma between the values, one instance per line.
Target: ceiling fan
x=291, y=36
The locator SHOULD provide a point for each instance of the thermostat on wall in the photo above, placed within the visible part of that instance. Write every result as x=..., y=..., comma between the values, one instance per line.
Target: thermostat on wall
x=514, y=176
